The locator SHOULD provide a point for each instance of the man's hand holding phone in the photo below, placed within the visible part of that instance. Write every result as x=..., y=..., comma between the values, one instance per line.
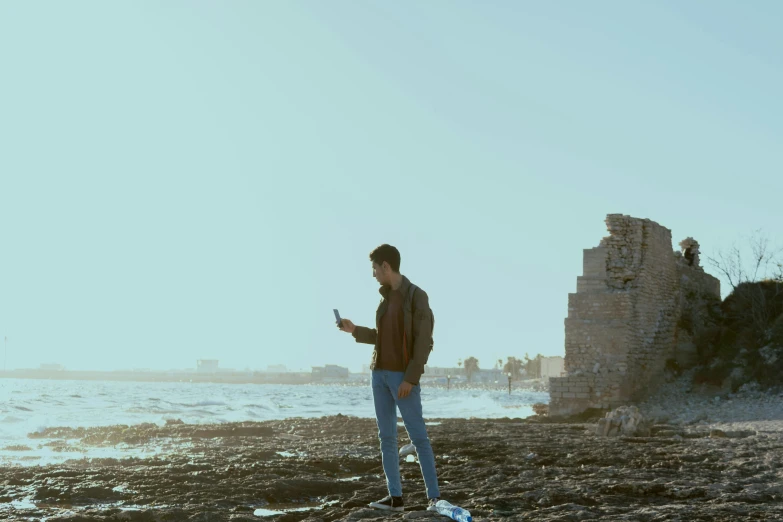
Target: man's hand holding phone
x=347, y=326
x=343, y=324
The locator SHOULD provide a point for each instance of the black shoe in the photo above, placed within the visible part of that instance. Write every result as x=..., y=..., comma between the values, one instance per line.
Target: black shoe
x=431, y=506
x=388, y=504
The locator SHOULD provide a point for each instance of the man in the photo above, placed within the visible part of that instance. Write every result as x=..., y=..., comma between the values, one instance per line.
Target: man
x=402, y=337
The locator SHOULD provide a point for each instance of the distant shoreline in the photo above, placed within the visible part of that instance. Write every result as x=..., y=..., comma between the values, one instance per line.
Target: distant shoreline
x=247, y=378
x=173, y=376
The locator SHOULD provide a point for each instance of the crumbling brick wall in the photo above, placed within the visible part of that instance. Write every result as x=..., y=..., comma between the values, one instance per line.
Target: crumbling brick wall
x=622, y=324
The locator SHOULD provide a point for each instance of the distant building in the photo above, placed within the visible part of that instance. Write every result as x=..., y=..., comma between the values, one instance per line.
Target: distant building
x=365, y=368
x=435, y=371
x=489, y=376
x=276, y=368
x=330, y=372
x=552, y=367
x=207, y=365
x=53, y=367
x=336, y=372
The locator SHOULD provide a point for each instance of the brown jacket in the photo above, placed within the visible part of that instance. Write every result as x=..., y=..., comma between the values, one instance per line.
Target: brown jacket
x=417, y=333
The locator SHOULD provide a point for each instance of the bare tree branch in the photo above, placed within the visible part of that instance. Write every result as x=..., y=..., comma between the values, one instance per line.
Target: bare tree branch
x=736, y=269
x=726, y=264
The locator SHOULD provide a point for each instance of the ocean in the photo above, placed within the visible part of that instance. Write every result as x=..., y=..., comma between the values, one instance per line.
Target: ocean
x=29, y=405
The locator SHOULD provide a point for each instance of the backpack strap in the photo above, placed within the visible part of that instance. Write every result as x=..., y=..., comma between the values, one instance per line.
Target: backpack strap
x=408, y=296
x=412, y=293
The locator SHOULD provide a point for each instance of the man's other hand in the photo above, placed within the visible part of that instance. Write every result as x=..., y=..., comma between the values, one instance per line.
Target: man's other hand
x=347, y=326
x=404, y=390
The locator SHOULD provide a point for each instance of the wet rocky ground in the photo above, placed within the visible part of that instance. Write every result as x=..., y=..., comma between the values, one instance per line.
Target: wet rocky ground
x=329, y=469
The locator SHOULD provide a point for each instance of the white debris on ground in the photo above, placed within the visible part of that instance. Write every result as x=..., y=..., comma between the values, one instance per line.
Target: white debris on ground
x=408, y=449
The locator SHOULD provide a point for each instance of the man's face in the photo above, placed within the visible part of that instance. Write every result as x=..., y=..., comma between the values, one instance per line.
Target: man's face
x=379, y=272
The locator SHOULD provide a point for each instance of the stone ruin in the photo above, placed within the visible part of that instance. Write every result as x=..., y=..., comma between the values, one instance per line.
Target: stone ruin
x=631, y=314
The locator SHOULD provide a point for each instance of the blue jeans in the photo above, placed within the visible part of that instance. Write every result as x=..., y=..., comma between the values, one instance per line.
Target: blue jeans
x=384, y=393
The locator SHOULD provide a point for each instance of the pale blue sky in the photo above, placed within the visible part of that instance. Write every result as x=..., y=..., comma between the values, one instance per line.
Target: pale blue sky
x=182, y=180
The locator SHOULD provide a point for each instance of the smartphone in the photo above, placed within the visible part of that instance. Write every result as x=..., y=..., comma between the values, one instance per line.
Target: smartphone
x=337, y=318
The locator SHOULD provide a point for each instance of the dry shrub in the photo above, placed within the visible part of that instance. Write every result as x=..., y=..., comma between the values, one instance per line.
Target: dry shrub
x=540, y=408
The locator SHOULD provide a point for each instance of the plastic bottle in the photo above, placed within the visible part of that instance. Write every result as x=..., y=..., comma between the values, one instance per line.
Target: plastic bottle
x=453, y=512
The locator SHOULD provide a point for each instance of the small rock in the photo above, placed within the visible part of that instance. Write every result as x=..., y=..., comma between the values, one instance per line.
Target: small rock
x=717, y=434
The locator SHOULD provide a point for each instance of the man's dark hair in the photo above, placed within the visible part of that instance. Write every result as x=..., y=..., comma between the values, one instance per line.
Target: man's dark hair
x=386, y=253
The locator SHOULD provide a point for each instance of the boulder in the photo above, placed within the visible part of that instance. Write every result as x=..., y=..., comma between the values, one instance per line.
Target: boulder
x=626, y=421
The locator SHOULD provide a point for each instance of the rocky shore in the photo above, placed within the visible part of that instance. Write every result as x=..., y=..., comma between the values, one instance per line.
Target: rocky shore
x=683, y=402
x=329, y=469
